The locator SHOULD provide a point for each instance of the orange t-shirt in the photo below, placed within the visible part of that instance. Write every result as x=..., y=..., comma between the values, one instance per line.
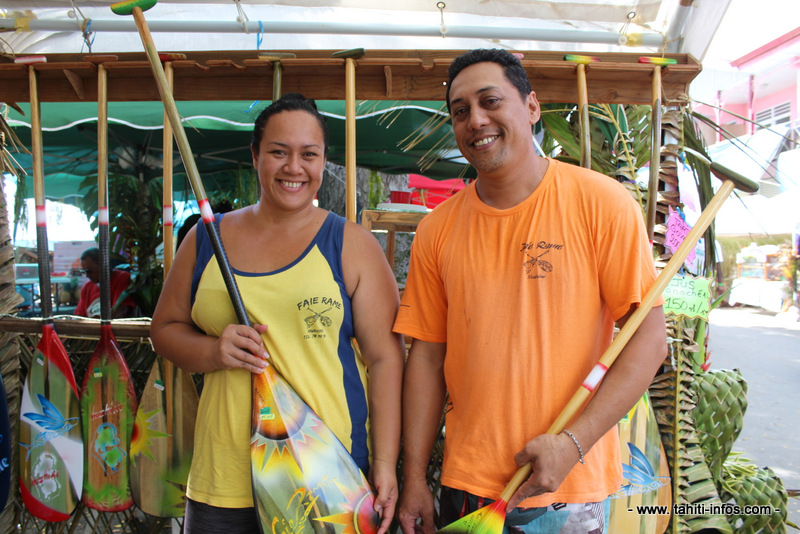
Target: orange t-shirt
x=526, y=300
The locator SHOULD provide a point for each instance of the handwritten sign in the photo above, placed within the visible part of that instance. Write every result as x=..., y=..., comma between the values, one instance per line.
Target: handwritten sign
x=688, y=296
x=677, y=230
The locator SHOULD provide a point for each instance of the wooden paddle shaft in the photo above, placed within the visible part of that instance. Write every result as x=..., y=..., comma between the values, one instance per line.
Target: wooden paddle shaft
x=189, y=163
x=350, y=139
x=37, y=153
x=166, y=194
x=655, y=154
x=633, y=323
x=583, y=105
x=169, y=254
x=277, y=80
x=102, y=193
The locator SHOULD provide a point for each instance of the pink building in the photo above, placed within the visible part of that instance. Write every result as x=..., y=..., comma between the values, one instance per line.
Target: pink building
x=758, y=105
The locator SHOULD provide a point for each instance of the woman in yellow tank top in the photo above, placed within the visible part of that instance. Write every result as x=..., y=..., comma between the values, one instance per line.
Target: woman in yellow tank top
x=322, y=300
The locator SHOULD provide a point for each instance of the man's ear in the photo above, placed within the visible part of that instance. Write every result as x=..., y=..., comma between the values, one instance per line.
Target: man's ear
x=534, y=109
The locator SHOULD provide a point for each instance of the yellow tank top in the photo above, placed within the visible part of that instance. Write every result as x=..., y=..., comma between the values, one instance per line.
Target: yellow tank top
x=310, y=342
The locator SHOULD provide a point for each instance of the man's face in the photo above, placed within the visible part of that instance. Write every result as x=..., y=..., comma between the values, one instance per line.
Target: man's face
x=91, y=269
x=491, y=121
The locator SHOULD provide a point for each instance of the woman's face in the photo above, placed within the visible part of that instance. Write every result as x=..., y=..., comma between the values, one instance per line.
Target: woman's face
x=290, y=160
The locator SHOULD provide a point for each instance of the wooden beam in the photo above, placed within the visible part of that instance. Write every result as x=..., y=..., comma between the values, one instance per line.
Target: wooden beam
x=382, y=75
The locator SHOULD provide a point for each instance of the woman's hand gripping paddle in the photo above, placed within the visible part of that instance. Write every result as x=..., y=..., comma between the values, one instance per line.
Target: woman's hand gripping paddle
x=303, y=477
x=490, y=519
x=50, y=444
x=108, y=400
x=163, y=436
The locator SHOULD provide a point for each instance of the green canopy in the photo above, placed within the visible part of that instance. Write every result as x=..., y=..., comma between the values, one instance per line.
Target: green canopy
x=219, y=134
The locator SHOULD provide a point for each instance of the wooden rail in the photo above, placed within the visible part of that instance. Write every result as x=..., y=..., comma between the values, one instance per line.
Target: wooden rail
x=382, y=75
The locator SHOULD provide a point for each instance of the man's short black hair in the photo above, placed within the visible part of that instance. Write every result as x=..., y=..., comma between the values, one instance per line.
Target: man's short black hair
x=92, y=254
x=512, y=68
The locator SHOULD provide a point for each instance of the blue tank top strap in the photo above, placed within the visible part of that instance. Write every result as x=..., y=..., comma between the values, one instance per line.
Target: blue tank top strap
x=329, y=240
x=203, y=251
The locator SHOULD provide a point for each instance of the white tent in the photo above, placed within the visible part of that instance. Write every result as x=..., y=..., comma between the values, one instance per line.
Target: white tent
x=643, y=26
x=757, y=214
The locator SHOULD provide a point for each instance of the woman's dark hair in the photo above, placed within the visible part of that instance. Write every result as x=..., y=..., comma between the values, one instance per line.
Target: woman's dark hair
x=512, y=68
x=289, y=102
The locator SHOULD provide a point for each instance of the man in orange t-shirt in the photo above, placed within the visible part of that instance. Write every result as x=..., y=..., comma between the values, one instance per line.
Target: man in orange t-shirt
x=514, y=287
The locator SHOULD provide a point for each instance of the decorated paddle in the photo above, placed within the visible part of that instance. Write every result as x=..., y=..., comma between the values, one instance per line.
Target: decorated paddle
x=5, y=447
x=108, y=401
x=303, y=477
x=490, y=519
x=163, y=435
x=646, y=473
x=50, y=444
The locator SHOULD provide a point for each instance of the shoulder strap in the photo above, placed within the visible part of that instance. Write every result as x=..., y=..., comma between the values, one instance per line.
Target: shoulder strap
x=203, y=251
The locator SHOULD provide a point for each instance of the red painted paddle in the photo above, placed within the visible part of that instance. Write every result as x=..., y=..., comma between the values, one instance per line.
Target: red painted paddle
x=50, y=445
x=108, y=400
x=490, y=519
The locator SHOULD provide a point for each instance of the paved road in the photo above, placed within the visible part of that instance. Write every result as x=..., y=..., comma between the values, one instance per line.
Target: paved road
x=766, y=348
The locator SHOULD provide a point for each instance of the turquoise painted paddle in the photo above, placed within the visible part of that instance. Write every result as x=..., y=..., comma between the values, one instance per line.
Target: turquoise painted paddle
x=108, y=400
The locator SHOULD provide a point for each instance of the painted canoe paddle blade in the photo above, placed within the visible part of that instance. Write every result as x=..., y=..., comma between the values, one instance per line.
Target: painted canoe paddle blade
x=304, y=480
x=108, y=405
x=646, y=473
x=50, y=445
x=160, y=459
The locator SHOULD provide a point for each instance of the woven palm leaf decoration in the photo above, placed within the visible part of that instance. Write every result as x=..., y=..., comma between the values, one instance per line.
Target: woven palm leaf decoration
x=674, y=399
x=745, y=484
x=719, y=416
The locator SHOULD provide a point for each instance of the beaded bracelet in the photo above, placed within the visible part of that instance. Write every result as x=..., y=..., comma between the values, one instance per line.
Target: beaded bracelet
x=577, y=444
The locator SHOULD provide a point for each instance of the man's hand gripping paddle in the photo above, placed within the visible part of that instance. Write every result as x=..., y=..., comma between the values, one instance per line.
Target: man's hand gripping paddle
x=303, y=477
x=490, y=519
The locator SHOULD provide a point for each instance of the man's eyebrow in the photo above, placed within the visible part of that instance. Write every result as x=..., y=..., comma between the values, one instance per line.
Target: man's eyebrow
x=479, y=91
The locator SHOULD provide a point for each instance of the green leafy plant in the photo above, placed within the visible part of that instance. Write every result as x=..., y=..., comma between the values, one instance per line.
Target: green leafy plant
x=134, y=231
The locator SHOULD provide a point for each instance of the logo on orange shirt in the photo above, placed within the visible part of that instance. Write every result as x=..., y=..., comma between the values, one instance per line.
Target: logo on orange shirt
x=535, y=266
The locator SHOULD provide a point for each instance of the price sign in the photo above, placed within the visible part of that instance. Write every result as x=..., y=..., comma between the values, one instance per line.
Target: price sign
x=677, y=229
x=688, y=296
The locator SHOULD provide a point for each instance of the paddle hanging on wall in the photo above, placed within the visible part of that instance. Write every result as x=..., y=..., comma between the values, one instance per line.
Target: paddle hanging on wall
x=108, y=400
x=50, y=444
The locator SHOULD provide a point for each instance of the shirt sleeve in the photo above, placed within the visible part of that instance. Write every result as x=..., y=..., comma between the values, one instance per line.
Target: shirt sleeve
x=626, y=267
x=423, y=309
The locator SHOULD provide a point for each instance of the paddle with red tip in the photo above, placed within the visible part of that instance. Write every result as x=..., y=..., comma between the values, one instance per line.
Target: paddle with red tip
x=300, y=471
x=108, y=400
x=490, y=519
x=50, y=444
